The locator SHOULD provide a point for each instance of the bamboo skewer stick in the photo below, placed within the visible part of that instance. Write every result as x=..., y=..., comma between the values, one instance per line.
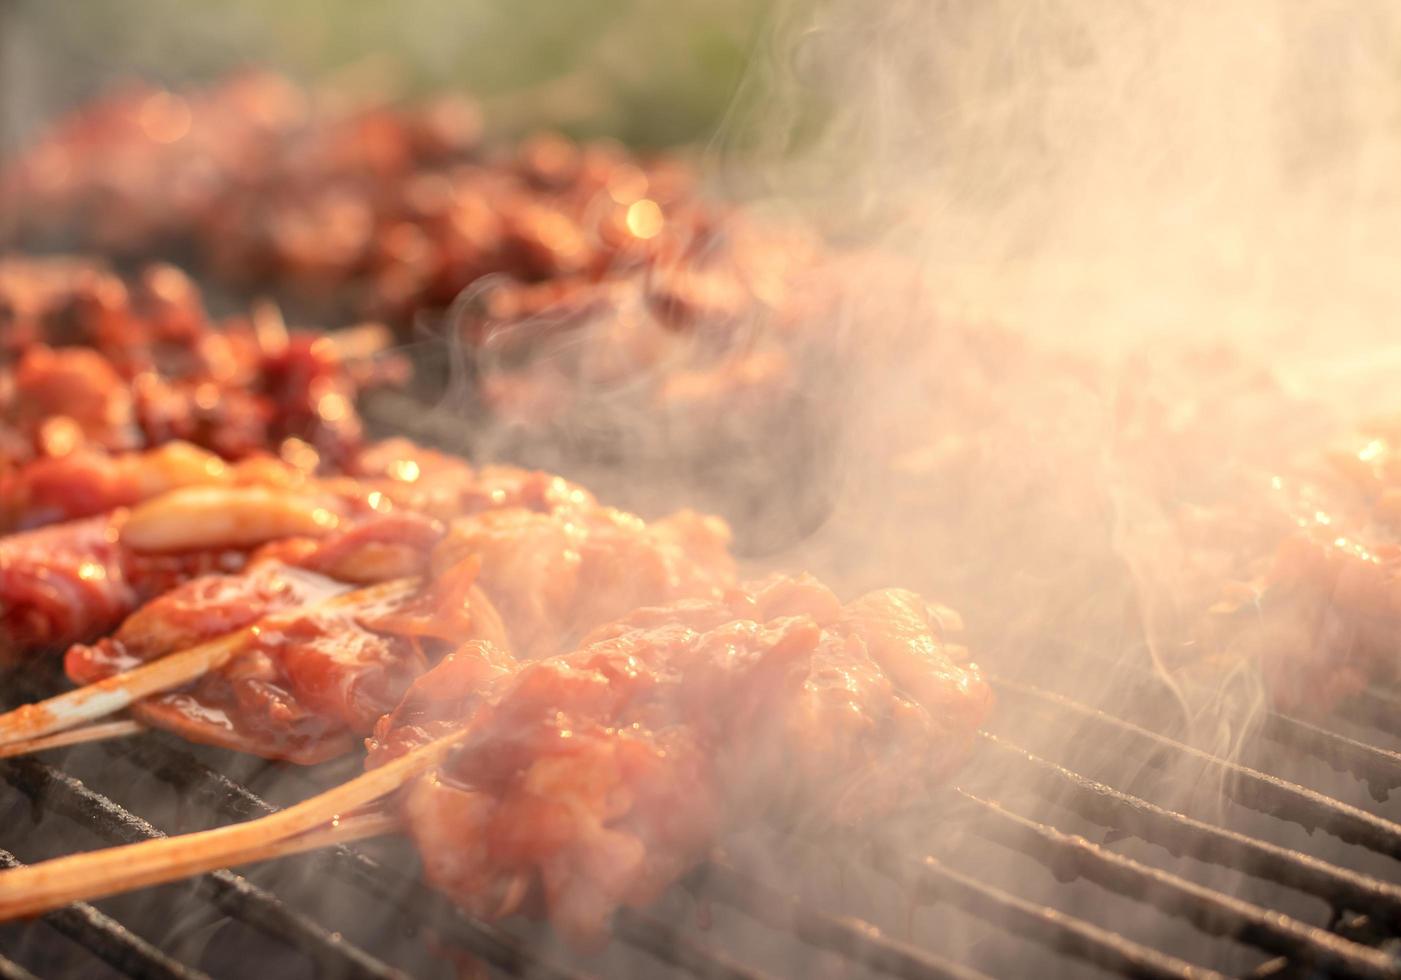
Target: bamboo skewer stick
x=113, y=694
x=74, y=736
x=346, y=830
x=361, y=341
x=356, y=342
x=316, y=822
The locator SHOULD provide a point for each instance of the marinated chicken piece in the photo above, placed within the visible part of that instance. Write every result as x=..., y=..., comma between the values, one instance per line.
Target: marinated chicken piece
x=316, y=673
x=397, y=474
x=135, y=169
x=198, y=610
x=594, y=779
x=1319, y=600
x=71, y=581
x=442, y=485
x=102, y=366
x=554, y=574
x=571, y=561
x=87, y=482
x=79, y=386
x=155, y=320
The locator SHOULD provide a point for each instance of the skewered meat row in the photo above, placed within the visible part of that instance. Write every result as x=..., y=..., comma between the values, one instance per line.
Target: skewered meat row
x=309, y=678
x=551, y=211
x=144, y=169
x=282, y=186
x=95, y=364
x=368, y=212
x=594, y=779
x=591, y=780
x=555, y=560
x=189, y=514
x=73, y=580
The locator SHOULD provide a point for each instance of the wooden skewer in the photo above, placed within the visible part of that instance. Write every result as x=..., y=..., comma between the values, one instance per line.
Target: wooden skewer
x=112, y=694
x=342, y=831
x=74, y=736
x=360, y=341
x=316, y=822
x=352, y=343
x=269, y=327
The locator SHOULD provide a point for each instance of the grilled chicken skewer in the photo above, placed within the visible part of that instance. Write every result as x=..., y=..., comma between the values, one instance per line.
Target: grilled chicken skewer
x=120, y=691
x=593, y=779
x=92, y=363
x=71, y=581
x=281, y=668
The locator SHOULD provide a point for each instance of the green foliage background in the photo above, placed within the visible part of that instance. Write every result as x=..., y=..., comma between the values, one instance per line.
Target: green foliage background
x=649, y=72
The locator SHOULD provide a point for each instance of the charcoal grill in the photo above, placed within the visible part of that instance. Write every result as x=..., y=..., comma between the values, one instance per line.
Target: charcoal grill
x=1124, y=851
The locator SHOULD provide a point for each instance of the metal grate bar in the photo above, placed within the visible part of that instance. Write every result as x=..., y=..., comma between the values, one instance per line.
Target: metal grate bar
x=417, y=904
x=1249, y=787
x=233, y=894
x=859, y=941
x=10, y=970
x=111, y=941
x=934, y=881
x=670, y=945
x=1181, y=834
x=1379, y=768
x=197, y=782
x=1069, y=855
x=1378, y=708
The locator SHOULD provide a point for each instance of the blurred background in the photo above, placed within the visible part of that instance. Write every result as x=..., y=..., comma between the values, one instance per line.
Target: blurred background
x=647, y=72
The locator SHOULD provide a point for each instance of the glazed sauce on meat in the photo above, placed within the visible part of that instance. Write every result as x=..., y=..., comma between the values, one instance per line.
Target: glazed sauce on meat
x=593, y=779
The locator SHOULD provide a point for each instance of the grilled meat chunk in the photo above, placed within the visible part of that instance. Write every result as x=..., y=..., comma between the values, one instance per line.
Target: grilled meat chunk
x=318, y=672
x=72, y=581
x=594, y=778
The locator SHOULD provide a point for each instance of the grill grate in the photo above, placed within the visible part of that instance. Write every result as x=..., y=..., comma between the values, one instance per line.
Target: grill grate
x=1042, y=924
x=1249, y=787
x=854, y=939
x=1071, y=856
x=231, y=893
x=1180, y=834
x=1358, y=941
x=1065, y=854
x=111, y=941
